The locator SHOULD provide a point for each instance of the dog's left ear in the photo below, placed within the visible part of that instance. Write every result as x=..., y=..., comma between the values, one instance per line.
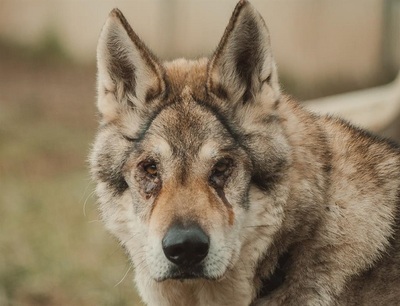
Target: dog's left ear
x=243, y=63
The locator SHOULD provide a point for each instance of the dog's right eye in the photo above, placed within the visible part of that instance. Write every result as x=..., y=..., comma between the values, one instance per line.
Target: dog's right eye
x=151, y=169
x=149, y=178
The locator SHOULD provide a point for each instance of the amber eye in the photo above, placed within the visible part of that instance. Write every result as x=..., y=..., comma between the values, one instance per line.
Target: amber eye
x=220, y=172
x=221, y=166
x=150, y=168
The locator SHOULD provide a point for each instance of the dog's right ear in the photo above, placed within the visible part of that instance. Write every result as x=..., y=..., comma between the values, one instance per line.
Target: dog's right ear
x=129, y=75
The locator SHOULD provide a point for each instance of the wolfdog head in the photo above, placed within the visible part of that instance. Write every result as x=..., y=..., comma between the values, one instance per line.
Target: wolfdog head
x=189, y=153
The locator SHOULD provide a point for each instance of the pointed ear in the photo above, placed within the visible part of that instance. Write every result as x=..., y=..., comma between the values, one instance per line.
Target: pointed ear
x=129, y=75
x=243, y=62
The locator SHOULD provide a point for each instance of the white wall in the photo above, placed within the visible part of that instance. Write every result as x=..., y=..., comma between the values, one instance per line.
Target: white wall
x=312, y=39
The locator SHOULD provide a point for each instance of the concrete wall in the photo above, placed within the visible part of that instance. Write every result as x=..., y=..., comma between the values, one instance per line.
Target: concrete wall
x=313, y=40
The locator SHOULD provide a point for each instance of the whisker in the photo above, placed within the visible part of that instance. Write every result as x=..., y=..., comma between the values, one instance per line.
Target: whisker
x=87, y=199
x=126, y=273
x=93, y=221
x=84, y=192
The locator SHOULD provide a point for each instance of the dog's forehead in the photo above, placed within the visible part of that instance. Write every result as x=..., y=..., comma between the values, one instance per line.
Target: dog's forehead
x=186, y=126
x=183, y=74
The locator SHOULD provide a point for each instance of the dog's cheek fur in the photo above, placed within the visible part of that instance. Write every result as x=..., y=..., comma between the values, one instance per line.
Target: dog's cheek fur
x=265, y=138
x=118, y=206
x=109, y=153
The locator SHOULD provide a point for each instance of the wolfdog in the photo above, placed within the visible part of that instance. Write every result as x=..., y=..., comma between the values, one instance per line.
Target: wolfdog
x=225, y=191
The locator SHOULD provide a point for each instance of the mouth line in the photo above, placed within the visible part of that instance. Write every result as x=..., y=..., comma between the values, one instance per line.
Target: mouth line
x=186, y=275
x=183, y=277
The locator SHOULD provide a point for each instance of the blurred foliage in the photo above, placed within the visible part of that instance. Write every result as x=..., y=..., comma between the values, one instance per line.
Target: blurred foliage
x=50, y=47
x=46, y=50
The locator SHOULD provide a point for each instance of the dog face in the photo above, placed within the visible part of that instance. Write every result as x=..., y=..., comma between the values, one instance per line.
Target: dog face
x=190, y=180
x=183, y=145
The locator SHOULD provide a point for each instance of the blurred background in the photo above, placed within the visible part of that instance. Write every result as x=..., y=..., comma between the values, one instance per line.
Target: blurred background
x=53, y=249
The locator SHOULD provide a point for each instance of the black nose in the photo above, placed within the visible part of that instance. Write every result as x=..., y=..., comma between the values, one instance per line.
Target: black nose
x=185, y=245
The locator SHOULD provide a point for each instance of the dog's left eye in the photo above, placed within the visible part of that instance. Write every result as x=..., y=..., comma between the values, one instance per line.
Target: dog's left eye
x=220, y=172
x=221, y=166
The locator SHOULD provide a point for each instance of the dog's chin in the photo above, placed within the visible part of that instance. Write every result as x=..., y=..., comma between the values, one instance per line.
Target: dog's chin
x=188, y=274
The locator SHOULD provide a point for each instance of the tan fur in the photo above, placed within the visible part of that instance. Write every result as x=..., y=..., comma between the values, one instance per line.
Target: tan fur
x=308, y=213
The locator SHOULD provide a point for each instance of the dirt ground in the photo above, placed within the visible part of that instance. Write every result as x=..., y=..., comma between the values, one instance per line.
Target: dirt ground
x=53, y=249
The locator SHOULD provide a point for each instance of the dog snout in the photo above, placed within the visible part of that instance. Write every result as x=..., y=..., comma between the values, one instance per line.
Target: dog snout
x=185, y=245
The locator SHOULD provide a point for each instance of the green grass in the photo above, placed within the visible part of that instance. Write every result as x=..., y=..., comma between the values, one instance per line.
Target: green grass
x=53, y=249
